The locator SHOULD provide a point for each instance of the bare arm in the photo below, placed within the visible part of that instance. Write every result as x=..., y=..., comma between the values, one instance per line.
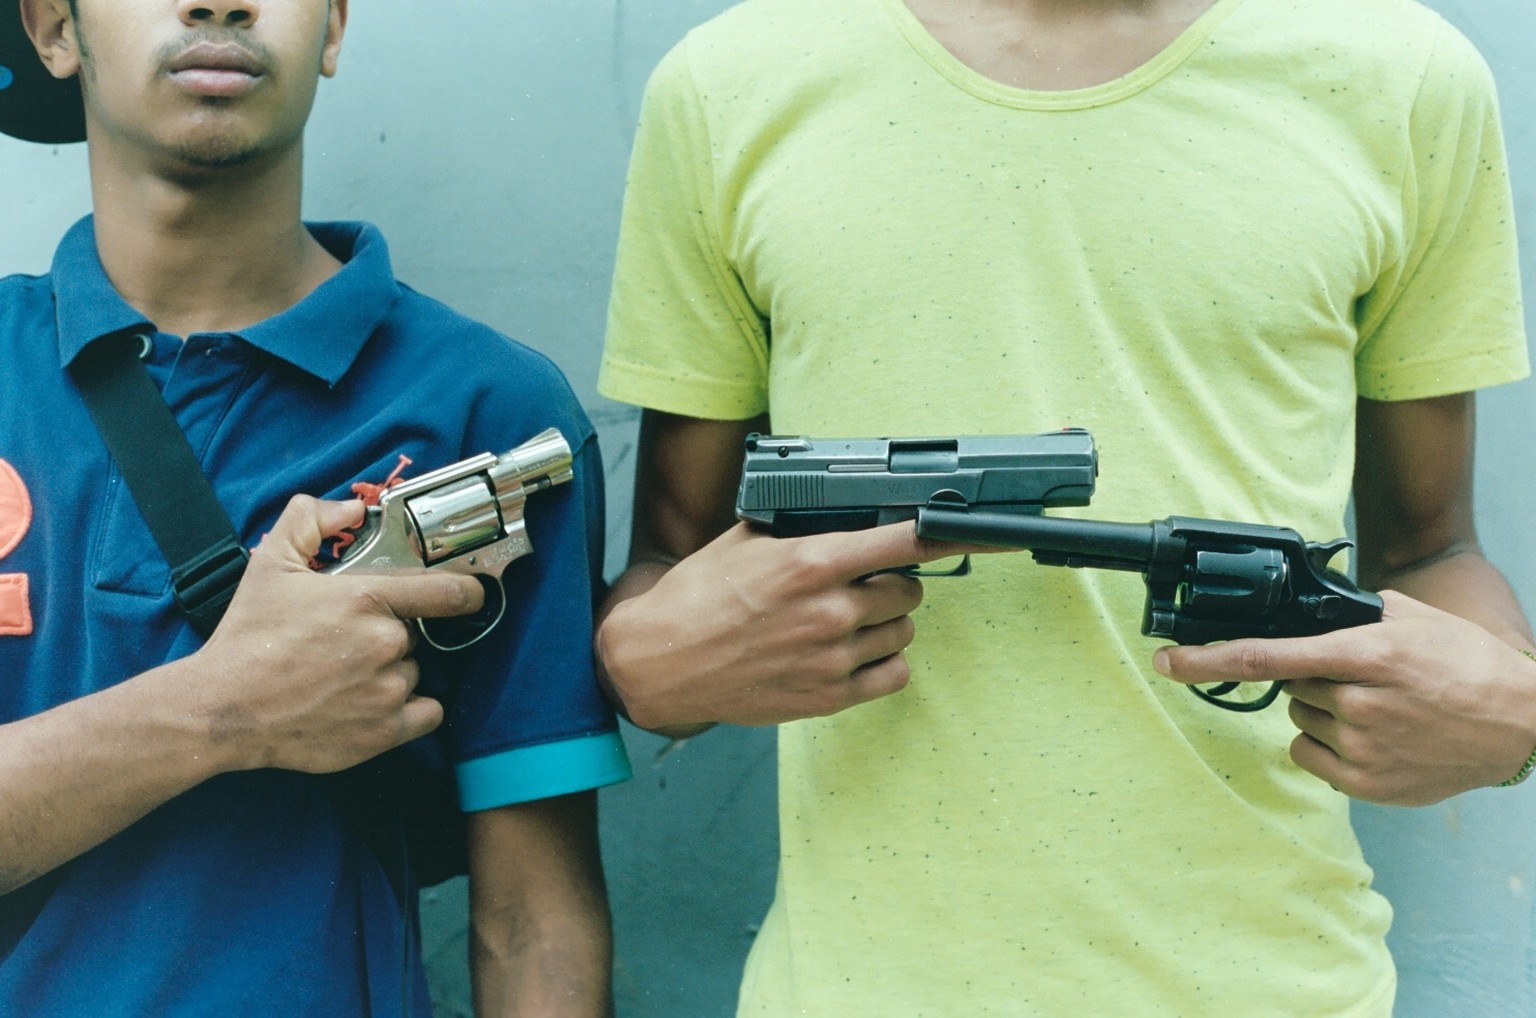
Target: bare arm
x=715, y=622
x=306, y=672
x=541, y=938
x=1414, y=514
x=1436, y=699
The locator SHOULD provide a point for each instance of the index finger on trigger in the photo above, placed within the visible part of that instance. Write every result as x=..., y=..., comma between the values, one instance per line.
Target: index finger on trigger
x=857, y=553
x=1254, y=660
x=428, y=595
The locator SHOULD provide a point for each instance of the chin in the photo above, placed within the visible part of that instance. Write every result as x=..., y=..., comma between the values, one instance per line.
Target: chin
x=224, y=149
x=217, y=155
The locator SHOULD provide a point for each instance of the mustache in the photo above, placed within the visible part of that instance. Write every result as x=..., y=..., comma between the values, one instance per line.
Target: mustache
x=247, y=50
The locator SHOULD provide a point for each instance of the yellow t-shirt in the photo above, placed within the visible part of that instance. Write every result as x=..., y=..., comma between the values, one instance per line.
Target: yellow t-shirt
x=1204, y=263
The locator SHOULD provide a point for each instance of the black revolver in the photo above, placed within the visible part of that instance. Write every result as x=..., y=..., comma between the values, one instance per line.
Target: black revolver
x=1207, y=580
x=796, y=486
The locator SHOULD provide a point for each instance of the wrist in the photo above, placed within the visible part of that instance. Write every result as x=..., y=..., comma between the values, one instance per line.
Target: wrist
x=1529, y=766
x=216, y=733
x=630, y=692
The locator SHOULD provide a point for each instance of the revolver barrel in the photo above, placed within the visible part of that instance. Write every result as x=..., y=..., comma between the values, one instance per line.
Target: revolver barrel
x=1054, y=540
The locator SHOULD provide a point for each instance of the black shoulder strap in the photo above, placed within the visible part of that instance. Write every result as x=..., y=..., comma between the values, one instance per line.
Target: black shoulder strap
x=163, y=475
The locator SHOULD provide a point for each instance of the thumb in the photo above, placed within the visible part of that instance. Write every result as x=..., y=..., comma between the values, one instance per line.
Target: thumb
x=305, y=523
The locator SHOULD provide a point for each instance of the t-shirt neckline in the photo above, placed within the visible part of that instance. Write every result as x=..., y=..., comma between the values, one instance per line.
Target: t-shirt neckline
x=1131, y=83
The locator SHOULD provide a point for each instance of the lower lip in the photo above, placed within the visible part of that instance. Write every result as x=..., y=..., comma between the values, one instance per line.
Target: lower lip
x=210, y=82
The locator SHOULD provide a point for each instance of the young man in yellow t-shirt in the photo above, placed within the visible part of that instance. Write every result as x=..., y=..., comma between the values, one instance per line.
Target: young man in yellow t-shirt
x=1263, y=251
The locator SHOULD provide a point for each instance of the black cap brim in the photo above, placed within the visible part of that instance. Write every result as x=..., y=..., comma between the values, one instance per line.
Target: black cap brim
x=34, y=105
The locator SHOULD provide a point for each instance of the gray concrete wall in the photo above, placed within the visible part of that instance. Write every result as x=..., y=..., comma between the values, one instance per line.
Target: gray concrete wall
x=489, y=142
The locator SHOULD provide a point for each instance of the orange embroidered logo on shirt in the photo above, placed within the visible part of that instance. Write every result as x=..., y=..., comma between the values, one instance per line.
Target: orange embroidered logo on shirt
x=15, y=521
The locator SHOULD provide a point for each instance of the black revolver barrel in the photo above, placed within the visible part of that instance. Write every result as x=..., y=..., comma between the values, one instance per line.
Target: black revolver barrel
x=1053, y=540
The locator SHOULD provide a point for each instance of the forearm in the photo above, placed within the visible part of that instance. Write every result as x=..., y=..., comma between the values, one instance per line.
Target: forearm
x=544, y=965
x=305, y=672
x=77, y=774
x=541, y=935
x=1463, y=583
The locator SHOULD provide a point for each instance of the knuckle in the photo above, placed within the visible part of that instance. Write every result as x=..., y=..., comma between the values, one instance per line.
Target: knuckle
x=832, y=664
x=1376, y=654
x=1360, y=705
x=1254, y=661
x=812, y=559
x=839, y=616
x=397, y=685
x=302, y=510
x=395, y=639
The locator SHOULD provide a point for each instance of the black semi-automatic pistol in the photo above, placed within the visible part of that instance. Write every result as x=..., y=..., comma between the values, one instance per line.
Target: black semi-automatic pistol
x=1207, y=580
x=795, y=486
x=462, y=518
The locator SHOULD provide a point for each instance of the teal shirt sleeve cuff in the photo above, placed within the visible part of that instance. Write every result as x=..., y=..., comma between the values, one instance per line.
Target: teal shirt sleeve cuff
x=542, y=771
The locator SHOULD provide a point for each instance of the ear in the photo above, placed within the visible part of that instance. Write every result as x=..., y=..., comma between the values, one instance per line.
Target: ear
x=336, y=27
x=52, y=30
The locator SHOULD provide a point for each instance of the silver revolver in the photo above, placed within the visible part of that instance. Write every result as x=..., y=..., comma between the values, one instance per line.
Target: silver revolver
x=464, y=518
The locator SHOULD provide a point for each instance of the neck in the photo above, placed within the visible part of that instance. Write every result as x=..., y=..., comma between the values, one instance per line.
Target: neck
x=206, y=250
x=1056, y=44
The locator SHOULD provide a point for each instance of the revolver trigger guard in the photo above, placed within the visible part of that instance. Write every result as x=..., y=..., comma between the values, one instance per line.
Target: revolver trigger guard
x=459, y=632
x=1214, y=696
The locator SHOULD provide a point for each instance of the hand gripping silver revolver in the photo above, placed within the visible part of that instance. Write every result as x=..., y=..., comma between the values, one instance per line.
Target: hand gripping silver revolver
x=465, y=518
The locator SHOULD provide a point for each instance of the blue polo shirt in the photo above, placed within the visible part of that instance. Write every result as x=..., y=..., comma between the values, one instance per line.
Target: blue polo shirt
x=249, y=895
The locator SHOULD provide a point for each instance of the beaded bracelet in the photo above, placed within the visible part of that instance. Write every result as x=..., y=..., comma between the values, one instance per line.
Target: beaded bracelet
x=1530, y=761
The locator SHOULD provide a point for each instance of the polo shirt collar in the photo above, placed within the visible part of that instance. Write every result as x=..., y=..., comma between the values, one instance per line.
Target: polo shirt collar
x=321, y=334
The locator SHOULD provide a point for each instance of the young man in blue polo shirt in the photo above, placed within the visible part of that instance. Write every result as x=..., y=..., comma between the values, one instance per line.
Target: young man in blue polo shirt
x=165, y=845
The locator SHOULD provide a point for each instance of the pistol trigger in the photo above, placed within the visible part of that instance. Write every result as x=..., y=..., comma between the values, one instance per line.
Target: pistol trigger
x=948, y=499
x=1320, y=553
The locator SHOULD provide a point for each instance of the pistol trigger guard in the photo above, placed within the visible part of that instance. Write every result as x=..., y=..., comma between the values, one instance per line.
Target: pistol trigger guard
x=495, y=594
x=916, y=571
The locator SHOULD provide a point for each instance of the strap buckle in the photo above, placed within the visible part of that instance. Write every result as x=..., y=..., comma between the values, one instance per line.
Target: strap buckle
x=205, y=584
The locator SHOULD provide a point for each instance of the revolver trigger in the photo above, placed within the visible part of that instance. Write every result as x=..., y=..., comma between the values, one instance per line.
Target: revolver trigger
x=458, y=632
x=1320, y=553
